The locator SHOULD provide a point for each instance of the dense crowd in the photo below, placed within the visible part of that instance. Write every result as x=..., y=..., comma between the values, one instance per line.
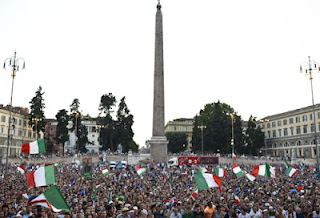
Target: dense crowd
x=166, y=192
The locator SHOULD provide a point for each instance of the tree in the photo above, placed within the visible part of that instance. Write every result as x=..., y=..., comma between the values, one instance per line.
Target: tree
x=177, y=141
x=62, y=134
x=218, y=132
x=107, y=136
x=36, y=116
x=81, y=130
x=254, y=137
x=196, y=135
x=124, y=126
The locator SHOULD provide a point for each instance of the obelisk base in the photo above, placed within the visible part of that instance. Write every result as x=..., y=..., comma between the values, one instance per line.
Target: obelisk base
x=159, y=149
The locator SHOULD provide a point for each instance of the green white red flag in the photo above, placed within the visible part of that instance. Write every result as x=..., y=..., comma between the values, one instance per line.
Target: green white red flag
x=52, y=198
x=195, y=193
x=21, y=169
x=264, y=170
x=206, y=180
x=291, y=171
x=42, y=177
x=37, y=147
x=105, y=171
x=141, y=171
x=237, y=170
x=220, y=172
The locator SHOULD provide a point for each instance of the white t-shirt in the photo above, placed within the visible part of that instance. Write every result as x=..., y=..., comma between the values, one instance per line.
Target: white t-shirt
x=255, y=214
x=244, y=216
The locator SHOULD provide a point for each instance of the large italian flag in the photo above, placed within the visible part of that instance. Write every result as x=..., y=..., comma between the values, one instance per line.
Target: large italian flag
x=52, y=198
x=237, y=170
x=264, y=170
x=37, y=147
x=42, y=177
x=141, y=171
x=291, y=171
x=220, y=172
x=206, y=180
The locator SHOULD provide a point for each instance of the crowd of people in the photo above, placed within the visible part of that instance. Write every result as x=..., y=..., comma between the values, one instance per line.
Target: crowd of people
x=166, y=192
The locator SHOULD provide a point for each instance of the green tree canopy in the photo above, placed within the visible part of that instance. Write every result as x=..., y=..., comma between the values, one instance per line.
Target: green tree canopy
x=62, y=134
x=177, y=141
x=36, y=116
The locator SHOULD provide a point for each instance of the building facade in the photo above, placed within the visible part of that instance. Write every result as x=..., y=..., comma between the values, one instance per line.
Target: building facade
x=181, y=125
x=292, y=132
x=20, y=132
x=93, y=138
x=50, y=134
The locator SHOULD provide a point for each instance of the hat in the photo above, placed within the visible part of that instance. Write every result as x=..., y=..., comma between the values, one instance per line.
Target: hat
x=125, y=209
x=110, y=202
x=127, y=205
x=135, y=208
x=265, y=210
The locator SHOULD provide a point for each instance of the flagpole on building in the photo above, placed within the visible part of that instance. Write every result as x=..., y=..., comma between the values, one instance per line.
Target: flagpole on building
x=14, y=63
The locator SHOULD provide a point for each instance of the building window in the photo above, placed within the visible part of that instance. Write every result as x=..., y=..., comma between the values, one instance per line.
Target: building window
x=269, y=134
x=279, y=132
x=304, y=118
x=51, y=130
x=279, y=122
x=3, y=118
x=29, y=134
x=185, y=128
x=291, y=130
x=20, y=133
x=297, y=119
x=311, y=116
x=24, y=133
x=2, y=129
x=311, y=128
x=20, y=122
x=285, y=131
x=24, y=123
x=268, y=125
x=291, y=121
x=175, y=128
x=305, y=128
x=273, y=124
x=274, y=134
x=298, y=131
x=93, y=142
x=284, y=122
x=319, y=115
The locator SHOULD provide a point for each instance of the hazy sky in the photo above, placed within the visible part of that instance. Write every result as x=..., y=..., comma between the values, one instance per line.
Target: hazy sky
x=244, y=53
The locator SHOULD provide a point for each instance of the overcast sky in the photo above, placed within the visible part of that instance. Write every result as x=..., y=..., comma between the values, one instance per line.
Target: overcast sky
x=244, y=53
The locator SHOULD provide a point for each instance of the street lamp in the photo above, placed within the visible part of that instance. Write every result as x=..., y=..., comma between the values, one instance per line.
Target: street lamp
x=76, y=114
x=14, y=63
x=201, y=128
x=308, y=68
x=36, y=120
x=232, y=139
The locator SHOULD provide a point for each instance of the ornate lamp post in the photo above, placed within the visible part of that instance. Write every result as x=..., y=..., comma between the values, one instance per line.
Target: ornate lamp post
x=310, y=67
x=201, y=128
x=14, y=63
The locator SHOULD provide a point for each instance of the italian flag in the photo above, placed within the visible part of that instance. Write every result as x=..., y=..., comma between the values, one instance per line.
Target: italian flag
x=206, y=180
x=234, y=157
x=98, y=185
x=42, y=177
x=37, y=147
x=141, y=171
x=21, y=169
x=220, y=172
x=202, y=170
x=52, y=198
x=291, y=171
x=195, y=193
x=249, y=176
x=237, y=200
x=313, y=169
x=237, y=170
x=105, y=171
x=264, y=170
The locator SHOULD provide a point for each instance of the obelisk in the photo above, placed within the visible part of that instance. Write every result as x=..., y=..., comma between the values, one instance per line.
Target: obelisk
x=158, y=142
